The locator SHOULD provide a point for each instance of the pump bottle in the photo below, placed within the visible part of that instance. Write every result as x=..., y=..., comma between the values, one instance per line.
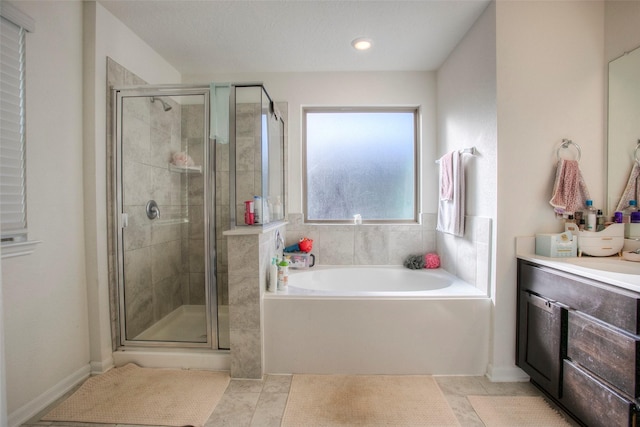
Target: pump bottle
x=626, y=213
x=591, y=222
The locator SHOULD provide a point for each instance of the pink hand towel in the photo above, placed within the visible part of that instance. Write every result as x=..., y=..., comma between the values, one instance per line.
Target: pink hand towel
x=451, y=212
x=446, y=176
x=631, y=190
x=570, y=192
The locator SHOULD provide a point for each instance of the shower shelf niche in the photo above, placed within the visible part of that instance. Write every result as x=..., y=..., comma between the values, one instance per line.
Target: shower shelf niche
x=185, y=169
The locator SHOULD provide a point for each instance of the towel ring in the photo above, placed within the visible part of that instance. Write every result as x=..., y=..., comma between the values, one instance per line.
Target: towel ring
x=567, y=142
x=635, y=153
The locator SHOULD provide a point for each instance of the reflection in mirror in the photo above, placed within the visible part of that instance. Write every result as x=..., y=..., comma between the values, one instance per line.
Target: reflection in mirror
x=624, y=127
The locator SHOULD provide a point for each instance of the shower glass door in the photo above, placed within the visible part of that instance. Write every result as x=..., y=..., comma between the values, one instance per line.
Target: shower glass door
x=166, y=256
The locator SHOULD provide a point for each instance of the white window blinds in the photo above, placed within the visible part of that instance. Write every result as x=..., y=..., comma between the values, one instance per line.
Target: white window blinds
x=13, y=223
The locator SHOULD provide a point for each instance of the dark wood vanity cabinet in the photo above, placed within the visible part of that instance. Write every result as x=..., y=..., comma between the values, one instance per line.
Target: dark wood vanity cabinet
x=578, y=341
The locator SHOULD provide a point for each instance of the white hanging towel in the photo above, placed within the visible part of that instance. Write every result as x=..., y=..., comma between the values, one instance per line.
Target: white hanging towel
x=451, y=210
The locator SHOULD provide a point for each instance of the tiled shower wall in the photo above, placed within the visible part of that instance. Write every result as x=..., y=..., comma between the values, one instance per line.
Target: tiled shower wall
x=467, y=257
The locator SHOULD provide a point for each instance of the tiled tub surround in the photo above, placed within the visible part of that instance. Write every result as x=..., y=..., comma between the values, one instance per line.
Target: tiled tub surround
x=467, y=257
x=250, y=250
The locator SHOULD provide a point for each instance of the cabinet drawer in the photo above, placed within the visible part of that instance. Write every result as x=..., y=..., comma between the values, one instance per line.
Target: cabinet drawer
x=607, y=352
x=592, y=402
x=616, y=306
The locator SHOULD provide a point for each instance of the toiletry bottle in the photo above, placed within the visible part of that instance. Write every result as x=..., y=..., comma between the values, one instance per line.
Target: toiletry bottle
x=277, y=208
x=272, y=285
x=570, y=225
x=257, y=210
x=591, y=222
x=600, y=220
x=617, y=217
x=582, y=225
x=248, y=212
x=626, y=213
x=283, y=275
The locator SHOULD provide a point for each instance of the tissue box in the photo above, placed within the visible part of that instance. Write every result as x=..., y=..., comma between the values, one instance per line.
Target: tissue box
x=557, y=245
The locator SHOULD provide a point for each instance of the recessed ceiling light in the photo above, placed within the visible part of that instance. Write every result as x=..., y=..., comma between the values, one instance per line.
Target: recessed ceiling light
x=361, y=43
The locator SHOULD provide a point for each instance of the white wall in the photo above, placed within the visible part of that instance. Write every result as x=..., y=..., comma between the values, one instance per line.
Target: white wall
x=467, y=118
x=346, y=89
x=550, y=85
x=45, y=305
x=467, y=111
x=622, y=32
x=105, y=36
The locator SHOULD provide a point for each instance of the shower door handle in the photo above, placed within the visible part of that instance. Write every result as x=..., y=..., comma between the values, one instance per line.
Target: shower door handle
x=153, y=211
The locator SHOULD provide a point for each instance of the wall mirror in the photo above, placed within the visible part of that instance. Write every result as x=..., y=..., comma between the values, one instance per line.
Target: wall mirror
x=624, y=124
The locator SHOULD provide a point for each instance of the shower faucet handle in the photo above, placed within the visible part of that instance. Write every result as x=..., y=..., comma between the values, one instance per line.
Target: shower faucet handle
x=153, y=211
x=279, y=240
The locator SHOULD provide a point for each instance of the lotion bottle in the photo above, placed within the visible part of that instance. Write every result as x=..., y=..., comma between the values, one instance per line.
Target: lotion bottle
x=283, y=275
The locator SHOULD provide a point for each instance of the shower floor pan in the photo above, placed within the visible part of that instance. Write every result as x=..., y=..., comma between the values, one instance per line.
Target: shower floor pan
x=187, y=323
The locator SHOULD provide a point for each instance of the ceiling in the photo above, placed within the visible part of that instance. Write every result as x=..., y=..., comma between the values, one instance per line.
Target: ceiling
x=238, y=36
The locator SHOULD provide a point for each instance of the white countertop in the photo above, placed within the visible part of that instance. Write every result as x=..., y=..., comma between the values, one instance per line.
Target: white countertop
x=613, y=270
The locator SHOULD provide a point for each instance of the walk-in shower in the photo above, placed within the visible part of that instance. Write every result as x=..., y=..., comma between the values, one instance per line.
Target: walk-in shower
x=165, y=220
x=183, y=160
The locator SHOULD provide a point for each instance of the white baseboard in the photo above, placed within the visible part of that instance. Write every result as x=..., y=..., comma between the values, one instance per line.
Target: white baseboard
x=506, y=374
x=31, y=409
x=100, y=367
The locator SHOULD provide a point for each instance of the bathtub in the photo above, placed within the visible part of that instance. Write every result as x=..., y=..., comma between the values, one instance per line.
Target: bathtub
x=376, y=320
x=391, y=281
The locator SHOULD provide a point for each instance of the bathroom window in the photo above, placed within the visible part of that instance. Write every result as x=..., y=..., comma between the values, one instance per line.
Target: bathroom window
x=360, y=161
x=12, y=132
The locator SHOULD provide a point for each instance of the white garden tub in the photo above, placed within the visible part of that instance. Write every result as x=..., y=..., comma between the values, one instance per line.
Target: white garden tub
x=376, y=320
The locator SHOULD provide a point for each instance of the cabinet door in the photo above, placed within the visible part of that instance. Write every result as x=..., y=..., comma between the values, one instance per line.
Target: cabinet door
x=541, y=325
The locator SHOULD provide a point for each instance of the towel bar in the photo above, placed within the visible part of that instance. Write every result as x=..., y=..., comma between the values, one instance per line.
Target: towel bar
x=470, y=150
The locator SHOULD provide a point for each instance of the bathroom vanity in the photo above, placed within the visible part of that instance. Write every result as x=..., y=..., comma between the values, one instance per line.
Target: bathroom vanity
x=578, y=335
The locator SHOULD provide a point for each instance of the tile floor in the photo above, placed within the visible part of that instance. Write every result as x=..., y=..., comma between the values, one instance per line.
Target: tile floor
x=255, y=403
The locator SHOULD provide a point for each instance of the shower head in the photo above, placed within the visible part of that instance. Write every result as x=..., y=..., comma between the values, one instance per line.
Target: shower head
x=165, y=106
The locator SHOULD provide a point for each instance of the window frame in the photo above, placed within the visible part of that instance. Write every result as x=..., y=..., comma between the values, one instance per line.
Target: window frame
x=15, y=242
x=415, y=110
